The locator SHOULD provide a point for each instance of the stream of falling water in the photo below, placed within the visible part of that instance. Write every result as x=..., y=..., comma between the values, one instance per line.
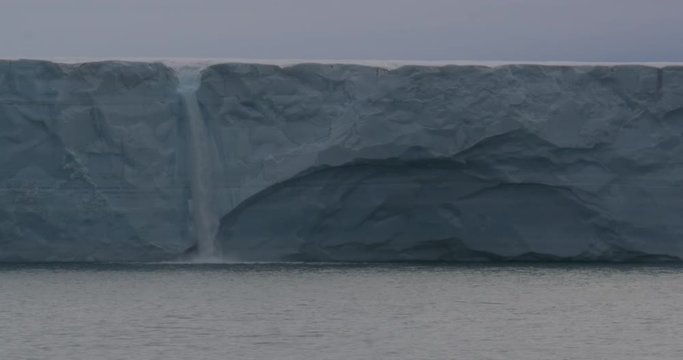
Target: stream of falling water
x=204, y=219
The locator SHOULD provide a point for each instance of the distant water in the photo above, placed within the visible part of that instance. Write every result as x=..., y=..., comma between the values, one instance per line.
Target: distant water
x=340, y=312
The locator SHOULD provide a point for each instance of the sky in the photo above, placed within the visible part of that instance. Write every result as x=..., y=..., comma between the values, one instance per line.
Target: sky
x=508, y=30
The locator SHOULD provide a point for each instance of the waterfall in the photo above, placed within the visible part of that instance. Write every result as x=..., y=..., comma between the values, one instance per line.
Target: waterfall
x=201, y=156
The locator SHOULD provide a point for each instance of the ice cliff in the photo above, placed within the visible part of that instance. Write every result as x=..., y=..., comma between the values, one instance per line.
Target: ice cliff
x=136, y=161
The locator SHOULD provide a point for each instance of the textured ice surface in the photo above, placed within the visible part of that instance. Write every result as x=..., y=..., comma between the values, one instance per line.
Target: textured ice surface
x=143, y=161
x=91, y=162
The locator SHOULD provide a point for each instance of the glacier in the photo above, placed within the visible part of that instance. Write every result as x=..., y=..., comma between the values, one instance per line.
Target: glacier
x=340, y=161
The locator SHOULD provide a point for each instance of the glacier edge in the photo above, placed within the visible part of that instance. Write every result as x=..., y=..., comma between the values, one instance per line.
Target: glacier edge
x=102, y=161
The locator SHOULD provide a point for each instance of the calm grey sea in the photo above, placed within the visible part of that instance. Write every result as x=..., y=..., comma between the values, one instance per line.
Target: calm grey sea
x=341, y=312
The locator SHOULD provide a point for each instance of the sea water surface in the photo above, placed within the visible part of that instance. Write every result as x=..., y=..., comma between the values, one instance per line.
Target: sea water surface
x=343, y=311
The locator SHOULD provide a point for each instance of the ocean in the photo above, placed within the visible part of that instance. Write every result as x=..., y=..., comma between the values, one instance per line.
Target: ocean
x=340, y=311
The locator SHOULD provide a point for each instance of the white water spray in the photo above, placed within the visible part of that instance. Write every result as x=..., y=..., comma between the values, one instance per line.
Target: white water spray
x=204, y=218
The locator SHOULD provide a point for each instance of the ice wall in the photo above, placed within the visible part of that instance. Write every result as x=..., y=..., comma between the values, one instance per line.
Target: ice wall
x=91, y=162
x=145, y=161
x=345, y=162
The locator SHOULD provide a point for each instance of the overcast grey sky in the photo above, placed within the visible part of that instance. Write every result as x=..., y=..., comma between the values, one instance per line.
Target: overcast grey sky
x=537, y=30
